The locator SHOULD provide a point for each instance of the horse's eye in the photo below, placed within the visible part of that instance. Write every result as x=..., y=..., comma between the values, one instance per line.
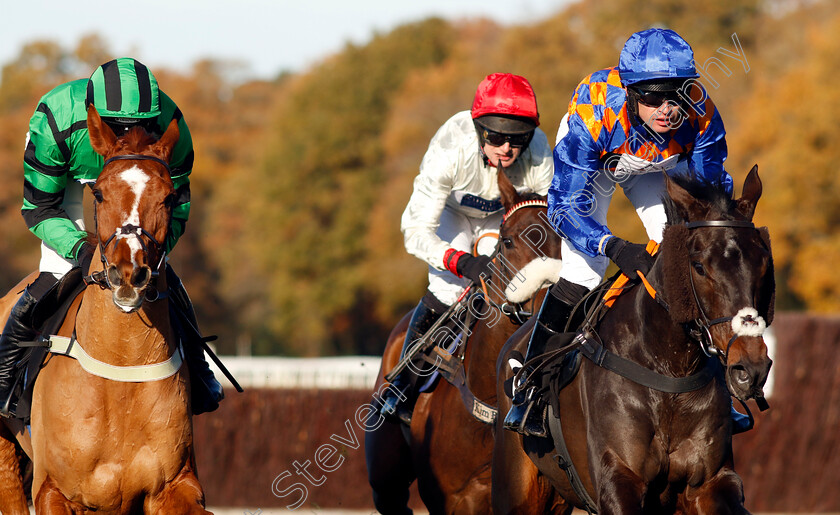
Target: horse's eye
x=507, y=242
x=698, y=267
x=97, y=195
x=169, y=201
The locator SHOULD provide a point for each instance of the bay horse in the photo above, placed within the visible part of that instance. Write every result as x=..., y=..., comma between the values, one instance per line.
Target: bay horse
x=448, y=449
x=635, y=448
x=112, y=444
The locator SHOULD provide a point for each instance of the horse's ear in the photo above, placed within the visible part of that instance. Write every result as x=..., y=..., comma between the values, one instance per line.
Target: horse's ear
x=510, y=196
x=687, y=206
x=167, y=142
x=751, y=194
x=102, y=138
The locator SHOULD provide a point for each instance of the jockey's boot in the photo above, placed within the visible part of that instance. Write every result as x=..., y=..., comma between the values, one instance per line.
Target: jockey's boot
x=206, y=390
x=18, y=329
x=525, y=415
x=740, y=422
x=398, y=399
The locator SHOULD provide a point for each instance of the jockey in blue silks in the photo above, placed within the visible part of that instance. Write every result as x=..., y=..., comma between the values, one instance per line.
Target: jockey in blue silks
x=625, y=126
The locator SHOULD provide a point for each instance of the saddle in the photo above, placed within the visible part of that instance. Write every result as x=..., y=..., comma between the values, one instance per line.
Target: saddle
x=559, y=365
x=449, y=356
x=61, y=302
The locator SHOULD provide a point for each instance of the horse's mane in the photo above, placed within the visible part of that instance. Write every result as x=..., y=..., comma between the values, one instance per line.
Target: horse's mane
x=530, y=195
x=136, y=140
x=674, y=250
x=713, y=194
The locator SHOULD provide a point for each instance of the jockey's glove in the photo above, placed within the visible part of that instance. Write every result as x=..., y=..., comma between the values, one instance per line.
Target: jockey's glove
x=84, y=256
x=465, y=265
x=629, y=257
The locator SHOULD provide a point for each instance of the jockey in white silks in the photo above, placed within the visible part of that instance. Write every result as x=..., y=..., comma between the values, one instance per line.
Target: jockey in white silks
x=456, y=200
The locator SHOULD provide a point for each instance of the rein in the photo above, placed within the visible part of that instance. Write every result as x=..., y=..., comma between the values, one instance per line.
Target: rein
x=599, y=355
x=702, y=332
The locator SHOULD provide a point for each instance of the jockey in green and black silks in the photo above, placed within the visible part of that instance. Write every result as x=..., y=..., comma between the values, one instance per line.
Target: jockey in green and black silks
x=59, y=161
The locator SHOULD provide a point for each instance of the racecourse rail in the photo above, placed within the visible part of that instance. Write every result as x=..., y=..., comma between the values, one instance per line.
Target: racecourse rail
x=331, y=373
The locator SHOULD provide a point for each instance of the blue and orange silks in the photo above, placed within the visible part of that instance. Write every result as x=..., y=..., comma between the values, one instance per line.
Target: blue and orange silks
x=601, y=128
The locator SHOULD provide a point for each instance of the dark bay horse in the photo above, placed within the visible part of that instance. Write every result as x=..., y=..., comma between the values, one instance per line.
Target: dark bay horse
x=111, y=431
x=447, y=449
x=638, y=449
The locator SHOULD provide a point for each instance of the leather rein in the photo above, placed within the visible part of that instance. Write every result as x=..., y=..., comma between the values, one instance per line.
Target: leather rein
x=598, y=354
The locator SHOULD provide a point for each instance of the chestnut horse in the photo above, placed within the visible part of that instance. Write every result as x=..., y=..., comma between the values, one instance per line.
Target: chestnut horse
x=447, y=449
x=103, y=444
x=636, y=448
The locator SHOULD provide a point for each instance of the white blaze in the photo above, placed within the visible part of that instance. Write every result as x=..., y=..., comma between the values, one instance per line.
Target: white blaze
x=136, y=180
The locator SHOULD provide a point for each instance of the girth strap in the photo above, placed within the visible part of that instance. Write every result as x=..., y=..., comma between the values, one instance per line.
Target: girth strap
x=452, y=369
x=564, y=461
x=646, y=377
x=65, y=346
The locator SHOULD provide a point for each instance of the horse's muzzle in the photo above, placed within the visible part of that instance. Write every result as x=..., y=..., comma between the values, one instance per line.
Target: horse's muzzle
x=746, y=379
x=128, y=286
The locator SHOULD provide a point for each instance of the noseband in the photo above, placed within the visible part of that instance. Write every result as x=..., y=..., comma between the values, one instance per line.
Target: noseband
x=101, y=278
x=702, y=333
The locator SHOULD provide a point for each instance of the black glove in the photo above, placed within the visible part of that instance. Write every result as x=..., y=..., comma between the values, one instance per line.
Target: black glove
x=472, y=267
x=84, y=256
x=629, y=256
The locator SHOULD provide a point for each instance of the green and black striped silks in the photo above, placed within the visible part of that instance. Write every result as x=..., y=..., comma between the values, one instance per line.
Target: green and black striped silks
x=124, y=88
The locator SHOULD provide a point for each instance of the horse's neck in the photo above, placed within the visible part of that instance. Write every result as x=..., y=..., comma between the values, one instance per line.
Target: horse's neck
x=483, y=347
x=660, y=343
x=486, y=340
x=123, y=339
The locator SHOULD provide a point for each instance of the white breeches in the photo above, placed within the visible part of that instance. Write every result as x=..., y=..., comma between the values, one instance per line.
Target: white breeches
x=645, y=192
x=461, y=232
x=51, y=261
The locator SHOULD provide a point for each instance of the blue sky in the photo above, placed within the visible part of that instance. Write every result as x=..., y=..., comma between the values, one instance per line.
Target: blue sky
x=270, y=35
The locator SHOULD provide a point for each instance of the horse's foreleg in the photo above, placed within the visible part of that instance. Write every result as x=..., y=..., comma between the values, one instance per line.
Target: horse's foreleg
x=620, y=489
x=183, y=495
x=12, y=496
x=723, y=494
x=390, y=469
x=517, y=487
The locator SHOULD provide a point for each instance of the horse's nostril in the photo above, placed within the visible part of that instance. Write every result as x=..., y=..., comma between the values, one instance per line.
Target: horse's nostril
x=114, y=276
x=140, y=277
x=740, y=375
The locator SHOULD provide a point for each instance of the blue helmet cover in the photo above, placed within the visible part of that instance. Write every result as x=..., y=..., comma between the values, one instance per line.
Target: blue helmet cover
x=656, y=54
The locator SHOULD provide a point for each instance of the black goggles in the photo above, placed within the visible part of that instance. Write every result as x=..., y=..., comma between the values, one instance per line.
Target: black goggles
x=657, y=98
x=497, y=139
x=121, y=126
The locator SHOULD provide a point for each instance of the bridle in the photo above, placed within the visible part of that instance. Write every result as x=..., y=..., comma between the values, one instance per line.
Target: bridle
x=592, y=348
x=702, y=330
x=515, y=311
x=101, y=277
